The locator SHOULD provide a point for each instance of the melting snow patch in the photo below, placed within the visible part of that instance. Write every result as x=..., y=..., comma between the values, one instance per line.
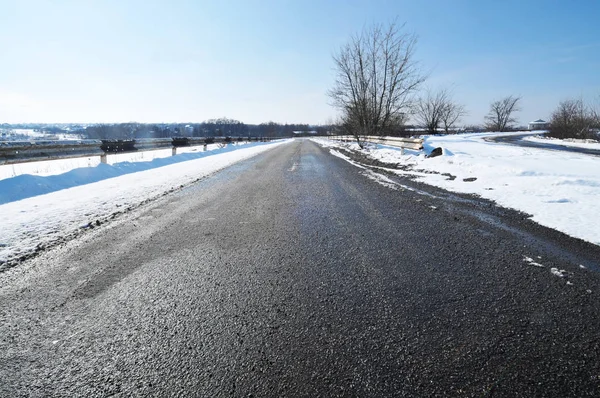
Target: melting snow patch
x=531, y=261
x=380, y=179
x=560, y=273
x=338, y=154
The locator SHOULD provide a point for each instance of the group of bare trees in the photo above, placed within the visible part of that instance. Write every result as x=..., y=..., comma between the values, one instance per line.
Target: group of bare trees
x=438, y=109
x=377, y=82
x=573, y=118
x=501, y=114
x=376, y=88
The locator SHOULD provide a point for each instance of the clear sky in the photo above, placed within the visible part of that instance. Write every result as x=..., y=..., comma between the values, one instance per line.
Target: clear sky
x=259, y=60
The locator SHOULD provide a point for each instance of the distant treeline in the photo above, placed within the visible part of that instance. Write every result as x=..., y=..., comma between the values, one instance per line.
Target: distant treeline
x=222, y=127
x=210, y=128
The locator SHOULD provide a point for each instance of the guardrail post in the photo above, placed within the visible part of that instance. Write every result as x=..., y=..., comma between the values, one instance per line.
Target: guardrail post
x=103, y=158
x=174, y=151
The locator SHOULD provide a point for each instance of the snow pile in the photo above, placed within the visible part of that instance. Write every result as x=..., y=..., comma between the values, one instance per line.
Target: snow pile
x=41, y=220
x=560, y=273
x=559, y=190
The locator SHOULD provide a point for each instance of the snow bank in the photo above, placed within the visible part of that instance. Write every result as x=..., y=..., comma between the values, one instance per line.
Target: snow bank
x=59, y=166
x=50, y=176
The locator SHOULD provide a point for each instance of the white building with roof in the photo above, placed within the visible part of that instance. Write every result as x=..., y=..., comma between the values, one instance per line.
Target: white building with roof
x=539, y=125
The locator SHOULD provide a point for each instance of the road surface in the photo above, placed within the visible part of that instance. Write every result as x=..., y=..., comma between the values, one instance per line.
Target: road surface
x=296, y=273
x=519, y=141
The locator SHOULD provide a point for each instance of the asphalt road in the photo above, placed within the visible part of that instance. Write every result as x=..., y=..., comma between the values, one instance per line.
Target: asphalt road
x=518, y=140
x=295, y=273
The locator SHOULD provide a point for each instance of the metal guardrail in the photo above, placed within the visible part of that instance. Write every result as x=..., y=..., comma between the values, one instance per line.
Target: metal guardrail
x=20, y=152
x=12, y=152
x=400, y=142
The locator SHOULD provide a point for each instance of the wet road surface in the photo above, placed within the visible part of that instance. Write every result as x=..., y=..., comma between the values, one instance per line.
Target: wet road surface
x=295, y=273
x=519, y=141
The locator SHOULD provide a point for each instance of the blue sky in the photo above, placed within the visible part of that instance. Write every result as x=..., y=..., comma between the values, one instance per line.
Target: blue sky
x=255, y=61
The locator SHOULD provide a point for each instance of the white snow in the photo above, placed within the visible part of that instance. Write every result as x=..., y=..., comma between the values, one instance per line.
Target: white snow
x=559, y=190
x=47, y=167
x=560, y=273
x=380, y=179
x=96, y=193
x=531, y=261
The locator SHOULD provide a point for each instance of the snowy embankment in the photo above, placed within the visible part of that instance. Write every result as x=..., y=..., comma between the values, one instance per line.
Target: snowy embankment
x=88, y=196
x=559, y=190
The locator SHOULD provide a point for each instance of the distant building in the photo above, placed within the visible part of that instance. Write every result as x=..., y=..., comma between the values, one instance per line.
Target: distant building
x=539, y=125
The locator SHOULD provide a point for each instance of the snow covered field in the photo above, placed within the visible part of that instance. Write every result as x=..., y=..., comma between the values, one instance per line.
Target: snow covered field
x=37, y=211
x=559, y=190
x=30, y=134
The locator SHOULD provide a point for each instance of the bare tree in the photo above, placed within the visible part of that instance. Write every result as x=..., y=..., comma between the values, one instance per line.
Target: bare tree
x=573, y=119
x=430, y=108
x=500, y=117
x=437, y=109
x=376, y=79
x=452, y=113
